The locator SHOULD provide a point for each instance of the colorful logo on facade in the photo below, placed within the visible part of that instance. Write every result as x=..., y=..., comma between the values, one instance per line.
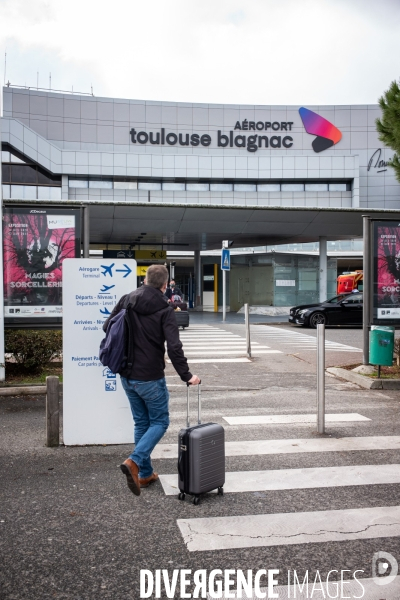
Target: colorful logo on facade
x=327, y=134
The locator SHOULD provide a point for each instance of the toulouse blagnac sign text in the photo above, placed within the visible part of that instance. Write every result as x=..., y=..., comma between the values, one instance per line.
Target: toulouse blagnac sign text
x=232, y=139
x=262, y=134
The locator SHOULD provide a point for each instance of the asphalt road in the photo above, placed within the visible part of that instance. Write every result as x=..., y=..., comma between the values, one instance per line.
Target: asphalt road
x=71, y=529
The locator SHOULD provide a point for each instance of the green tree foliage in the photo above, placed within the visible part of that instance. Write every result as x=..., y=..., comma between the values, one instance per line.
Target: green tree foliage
x=388, y=125
x=32, y=349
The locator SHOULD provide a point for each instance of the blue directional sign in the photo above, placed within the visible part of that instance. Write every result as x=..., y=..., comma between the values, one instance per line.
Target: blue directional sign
x=226, y=259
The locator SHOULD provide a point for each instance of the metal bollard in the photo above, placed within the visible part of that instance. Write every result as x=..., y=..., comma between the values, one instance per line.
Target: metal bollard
x=321, y=378
x=52, y=411
x=247, y=322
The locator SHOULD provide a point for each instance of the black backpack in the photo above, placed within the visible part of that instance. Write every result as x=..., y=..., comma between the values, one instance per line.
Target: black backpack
x=116, y=349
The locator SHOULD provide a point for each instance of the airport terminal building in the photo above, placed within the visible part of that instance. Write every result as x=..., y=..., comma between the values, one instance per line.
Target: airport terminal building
x=181, y=176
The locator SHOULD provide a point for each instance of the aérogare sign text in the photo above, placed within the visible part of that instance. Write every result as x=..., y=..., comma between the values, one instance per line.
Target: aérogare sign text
x=274, y=135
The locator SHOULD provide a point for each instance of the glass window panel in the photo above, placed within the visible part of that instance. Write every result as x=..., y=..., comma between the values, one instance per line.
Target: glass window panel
x=245, y=187
x=292, y=187
x=269, y=187
x=5, y=156
x=337, y=187
x=125, y=185
x=55, y=193
x=101, y=184
x=316, y=187
x=48, y=179
x=30, y=192
x=221, y=187
x=173, y=187
x=15, y=159
x=44, y=192
x=6, y=192
x=197, y=187
x=307, y=280
x=23, y=174
x=152, y=186
x=77, y=183
x=17, y=192
x=5, y=173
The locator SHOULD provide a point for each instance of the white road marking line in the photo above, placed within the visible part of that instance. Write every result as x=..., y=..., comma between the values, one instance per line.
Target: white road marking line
x=226, y=352
x=216, y=360
x=220, y=347
x=305, y=418
x=250, y=531
x=294, y=446
x=294, y=338
x=298, y=479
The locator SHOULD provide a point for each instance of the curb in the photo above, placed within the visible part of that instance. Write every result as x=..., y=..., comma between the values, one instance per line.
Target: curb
x=365, y=382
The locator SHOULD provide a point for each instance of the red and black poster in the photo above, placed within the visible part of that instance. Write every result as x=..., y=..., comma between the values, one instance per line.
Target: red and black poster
x=35, y=243
x=386, y=304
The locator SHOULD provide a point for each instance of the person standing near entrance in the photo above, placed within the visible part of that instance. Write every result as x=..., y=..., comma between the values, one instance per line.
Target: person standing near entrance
x=153, y=323
x=173, y=290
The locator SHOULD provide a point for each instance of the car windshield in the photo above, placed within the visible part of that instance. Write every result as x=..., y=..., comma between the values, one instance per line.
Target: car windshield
x=338, y=299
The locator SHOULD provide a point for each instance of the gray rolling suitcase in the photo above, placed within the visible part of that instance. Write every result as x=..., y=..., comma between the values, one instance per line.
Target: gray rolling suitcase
x=201, y=457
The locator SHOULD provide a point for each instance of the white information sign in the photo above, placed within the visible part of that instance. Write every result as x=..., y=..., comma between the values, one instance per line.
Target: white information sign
x=96, y=410
x=285, y=282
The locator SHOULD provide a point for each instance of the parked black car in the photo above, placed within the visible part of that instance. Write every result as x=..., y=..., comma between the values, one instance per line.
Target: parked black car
x=345, y=309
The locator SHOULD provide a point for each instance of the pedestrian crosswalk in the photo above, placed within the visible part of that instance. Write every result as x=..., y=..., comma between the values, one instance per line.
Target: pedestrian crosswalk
x=295, y=340
x=353, y=464
x=207, y=344
x=246, y=531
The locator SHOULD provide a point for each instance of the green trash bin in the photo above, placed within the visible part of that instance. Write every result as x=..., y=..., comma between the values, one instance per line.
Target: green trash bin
x=381, y=345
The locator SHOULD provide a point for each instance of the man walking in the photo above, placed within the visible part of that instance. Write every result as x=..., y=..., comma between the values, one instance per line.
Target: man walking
x=153, y=323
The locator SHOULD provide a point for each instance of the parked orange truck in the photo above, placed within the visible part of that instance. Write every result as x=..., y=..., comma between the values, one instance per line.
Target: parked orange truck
x=347, y=282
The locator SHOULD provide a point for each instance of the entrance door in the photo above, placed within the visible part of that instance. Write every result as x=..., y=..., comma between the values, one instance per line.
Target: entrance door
x=208, y=288
x=239, y=287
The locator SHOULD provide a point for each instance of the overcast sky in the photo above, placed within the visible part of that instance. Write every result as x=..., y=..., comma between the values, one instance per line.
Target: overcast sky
x=220, y=51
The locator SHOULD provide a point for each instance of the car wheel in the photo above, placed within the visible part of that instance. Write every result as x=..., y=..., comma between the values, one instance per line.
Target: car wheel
x=317, y=318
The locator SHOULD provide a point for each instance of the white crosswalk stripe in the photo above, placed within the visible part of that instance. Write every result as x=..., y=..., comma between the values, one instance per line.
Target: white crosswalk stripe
x=297, y=340
x=251, y=531
x=307, y=418
x=297, y=479
x=294, y=446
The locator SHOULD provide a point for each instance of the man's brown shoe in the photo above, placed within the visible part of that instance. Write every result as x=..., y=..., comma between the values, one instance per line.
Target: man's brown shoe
x=131, y=470
x=148, y=480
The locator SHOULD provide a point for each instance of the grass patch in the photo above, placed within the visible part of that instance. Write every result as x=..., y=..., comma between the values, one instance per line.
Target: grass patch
x=392, y=372
x=15, y=375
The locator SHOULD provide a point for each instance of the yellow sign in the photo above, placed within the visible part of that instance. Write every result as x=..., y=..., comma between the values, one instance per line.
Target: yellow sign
x=141, y=271
x=151, y=254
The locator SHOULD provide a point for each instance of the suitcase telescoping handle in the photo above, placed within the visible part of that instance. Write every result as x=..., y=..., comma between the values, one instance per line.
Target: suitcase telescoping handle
x=198, y=405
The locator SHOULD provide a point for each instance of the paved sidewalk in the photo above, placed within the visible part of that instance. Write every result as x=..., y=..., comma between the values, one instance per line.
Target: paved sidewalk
x=70, y=528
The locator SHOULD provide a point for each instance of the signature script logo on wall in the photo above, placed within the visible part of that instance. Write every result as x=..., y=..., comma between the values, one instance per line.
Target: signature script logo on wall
x=327, y=134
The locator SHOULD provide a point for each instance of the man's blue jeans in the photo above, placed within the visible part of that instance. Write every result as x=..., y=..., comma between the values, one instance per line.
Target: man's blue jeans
x=149, y=406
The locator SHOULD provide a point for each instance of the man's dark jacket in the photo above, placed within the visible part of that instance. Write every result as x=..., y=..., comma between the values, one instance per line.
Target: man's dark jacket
x=153, y=323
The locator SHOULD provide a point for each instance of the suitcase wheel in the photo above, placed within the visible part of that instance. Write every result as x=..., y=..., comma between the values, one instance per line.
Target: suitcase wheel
x=182, y=496
x=183, y=328
x=220, y=491
x=196, y=500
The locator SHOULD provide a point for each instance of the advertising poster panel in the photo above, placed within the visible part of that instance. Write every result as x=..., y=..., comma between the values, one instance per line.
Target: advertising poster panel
x=386, y=300
x=36, y=241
